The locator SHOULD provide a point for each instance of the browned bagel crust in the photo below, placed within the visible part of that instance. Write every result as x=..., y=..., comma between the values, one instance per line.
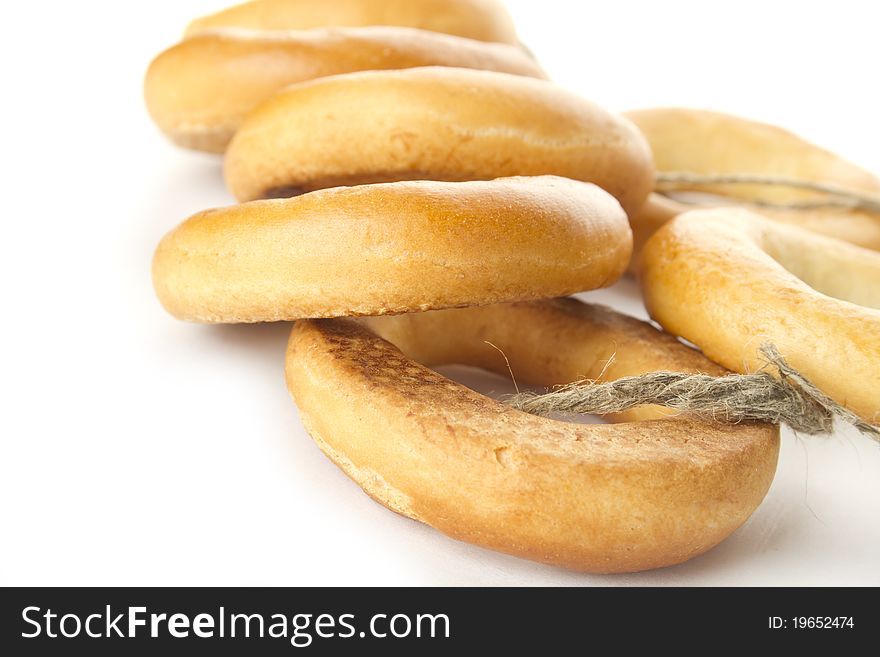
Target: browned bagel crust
x=484, y=20
x=599, y=498
x=200, y=90
x=434, y=124
x=391, y=248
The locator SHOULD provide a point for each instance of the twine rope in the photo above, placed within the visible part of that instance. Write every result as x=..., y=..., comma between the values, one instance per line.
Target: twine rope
x=789, y=399
x=835, y=195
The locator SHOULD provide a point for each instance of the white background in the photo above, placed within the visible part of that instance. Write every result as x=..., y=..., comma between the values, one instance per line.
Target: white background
x=138, y=450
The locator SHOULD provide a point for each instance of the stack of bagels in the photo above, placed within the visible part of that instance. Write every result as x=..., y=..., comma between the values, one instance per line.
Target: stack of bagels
x=414, y=192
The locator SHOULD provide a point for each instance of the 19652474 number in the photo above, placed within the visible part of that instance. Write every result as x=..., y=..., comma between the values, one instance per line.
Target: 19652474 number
x=811, y=623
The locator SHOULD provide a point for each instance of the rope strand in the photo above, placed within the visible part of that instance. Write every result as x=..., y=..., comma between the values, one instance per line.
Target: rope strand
x=836, y=196
x=790, y=399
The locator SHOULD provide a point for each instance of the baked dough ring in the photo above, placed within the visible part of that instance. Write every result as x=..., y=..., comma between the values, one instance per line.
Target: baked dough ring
x=200, y=90
x=391, y=248
x=599, y=498
x=433, y=124
x=728, y=280
x=484, y=20
x=701, y=142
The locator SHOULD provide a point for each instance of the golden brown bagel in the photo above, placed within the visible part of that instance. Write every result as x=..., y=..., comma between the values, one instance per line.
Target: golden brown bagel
x=709, y=143
x=485, y=20
x=200, y=90
x=434, y=124
x=728, y=280
x=392, y=248
x=599, y=498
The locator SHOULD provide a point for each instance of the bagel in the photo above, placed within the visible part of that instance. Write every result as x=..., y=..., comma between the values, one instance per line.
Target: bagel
x=484, y=20
x=391, y=248
x=200, y=90
x=445, y=124
x=590, y=497
x=728, y=280
x=710, y=143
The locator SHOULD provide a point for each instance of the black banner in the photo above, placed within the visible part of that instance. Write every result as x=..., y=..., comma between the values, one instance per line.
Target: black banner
x=427, y=621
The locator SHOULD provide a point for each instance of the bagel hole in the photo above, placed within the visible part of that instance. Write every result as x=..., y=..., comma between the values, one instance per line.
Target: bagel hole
x=500, y=388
